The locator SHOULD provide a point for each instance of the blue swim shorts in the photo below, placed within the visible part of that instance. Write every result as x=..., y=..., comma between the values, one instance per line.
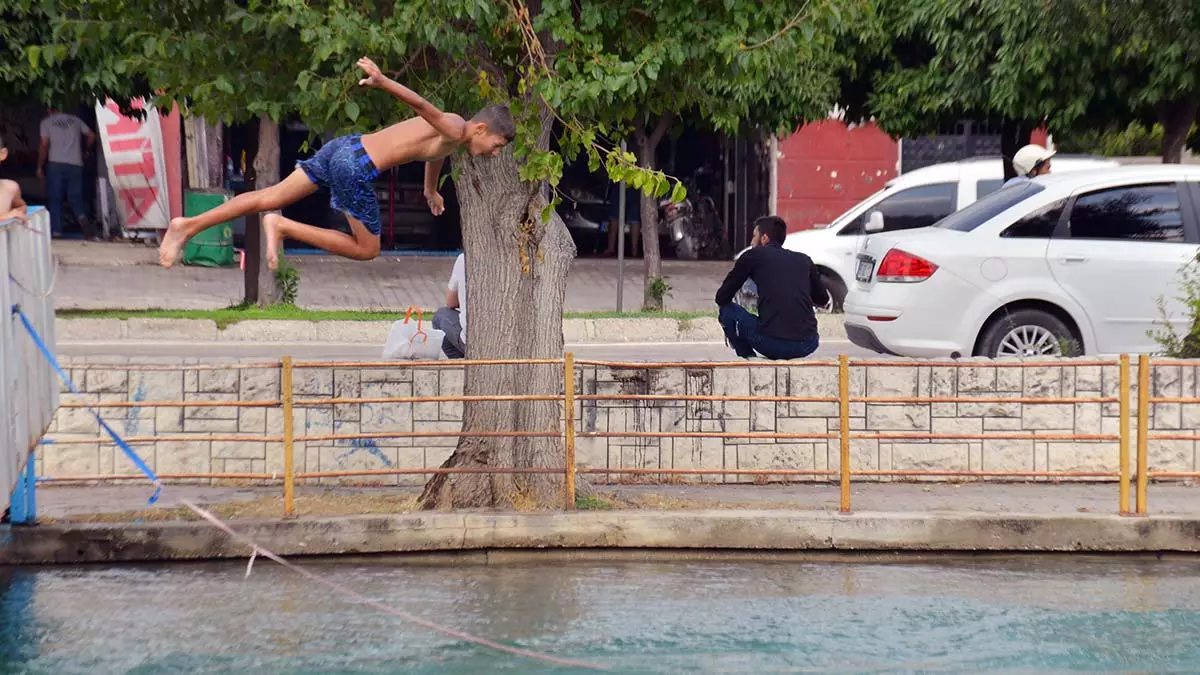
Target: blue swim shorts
x=343, y=166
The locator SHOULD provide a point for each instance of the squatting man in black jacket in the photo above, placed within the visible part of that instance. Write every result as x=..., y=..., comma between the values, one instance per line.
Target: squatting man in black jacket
x=788, y=287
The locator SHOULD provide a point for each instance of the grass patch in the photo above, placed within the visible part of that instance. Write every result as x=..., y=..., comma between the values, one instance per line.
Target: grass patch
x=231, y=315
x=679, y=316
x=594, y=503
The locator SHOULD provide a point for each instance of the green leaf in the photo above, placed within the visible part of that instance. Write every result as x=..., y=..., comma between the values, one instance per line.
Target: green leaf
x=352, y=111
x=34, y=53
x=223, y=84
x=679, y=193
x=303, y=79
x=150, y=46
x=547, y=212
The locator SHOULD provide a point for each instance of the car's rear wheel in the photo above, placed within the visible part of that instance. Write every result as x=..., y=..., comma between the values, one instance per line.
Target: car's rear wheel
x=837, y=290
x=1028, y=333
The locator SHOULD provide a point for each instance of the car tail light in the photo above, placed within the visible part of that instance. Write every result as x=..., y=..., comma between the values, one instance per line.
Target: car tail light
x=901, y=267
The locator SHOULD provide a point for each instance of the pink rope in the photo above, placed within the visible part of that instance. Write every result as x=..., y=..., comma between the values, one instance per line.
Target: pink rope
x=466, y=637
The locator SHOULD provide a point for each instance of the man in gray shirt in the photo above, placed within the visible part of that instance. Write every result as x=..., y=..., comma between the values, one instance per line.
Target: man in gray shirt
x=60, y=163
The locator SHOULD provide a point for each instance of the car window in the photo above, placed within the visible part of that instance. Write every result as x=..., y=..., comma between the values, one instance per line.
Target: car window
x=909, y=209
x=1038, y=225
x=984, y=188
x=990, y=206
x=1138, y=212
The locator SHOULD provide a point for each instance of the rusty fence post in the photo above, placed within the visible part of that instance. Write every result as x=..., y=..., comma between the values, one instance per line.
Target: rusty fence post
x=569, y=422
x=844, y=428
x=1123, y=508
x=1143, y=416
x=289, y=435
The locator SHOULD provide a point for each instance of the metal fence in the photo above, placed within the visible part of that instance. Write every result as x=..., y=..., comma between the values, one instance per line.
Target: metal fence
x=1132, y=472
x=28, y=384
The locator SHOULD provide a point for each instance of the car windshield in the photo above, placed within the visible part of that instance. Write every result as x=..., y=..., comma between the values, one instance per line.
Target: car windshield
x=989, y=207
x=845, y=216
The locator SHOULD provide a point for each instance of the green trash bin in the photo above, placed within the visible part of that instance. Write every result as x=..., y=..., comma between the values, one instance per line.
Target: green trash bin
x=212, y=247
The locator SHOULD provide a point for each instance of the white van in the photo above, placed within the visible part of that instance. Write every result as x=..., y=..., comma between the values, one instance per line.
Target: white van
x=916, y=199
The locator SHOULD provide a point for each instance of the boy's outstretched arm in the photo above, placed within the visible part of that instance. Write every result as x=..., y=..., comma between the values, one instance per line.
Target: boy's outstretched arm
x=449, y=125
x=433, y=171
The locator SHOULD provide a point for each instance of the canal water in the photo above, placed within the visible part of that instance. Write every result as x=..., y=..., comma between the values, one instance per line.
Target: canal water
x=1017, y=615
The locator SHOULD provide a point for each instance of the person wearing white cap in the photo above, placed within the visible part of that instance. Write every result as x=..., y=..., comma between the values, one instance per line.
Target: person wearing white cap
x=1031, y=161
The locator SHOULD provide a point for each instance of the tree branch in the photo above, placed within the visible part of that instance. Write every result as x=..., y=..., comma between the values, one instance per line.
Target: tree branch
x=660, y=128
x=779, y=33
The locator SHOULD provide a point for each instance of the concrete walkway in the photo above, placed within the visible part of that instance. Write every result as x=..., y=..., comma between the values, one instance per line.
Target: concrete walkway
x=127, y=276
x=679, y=520
x=991, y=498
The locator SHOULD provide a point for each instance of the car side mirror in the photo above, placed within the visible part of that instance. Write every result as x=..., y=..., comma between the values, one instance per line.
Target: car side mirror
x=874, y=222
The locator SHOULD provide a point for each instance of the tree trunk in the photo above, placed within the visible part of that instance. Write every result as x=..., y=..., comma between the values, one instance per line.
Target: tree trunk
x=215, y=157
x=1176, y=118
x=517, y=279
x=1014, y=135
x=646, y=148
x=260, y=286
x=205, y=165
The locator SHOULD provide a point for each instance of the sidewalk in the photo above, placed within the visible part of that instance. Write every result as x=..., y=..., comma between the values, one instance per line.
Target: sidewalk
x=83, y=502
x=127, y=276
x=667, y=522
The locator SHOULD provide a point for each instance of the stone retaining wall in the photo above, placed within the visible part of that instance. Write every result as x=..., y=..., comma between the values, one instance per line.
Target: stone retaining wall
x=228, y=384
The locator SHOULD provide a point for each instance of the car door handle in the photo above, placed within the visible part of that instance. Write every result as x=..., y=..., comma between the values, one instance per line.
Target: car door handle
x=1072, y=260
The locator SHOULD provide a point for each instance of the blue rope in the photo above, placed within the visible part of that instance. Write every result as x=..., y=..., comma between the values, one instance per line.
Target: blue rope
x=129, y=451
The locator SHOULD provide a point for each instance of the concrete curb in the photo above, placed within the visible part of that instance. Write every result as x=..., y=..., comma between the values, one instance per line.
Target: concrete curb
x=575, y=331
x=760, y=531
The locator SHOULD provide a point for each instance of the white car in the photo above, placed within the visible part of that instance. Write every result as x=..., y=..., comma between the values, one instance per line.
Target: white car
x=916, y=199
x=1064, y=264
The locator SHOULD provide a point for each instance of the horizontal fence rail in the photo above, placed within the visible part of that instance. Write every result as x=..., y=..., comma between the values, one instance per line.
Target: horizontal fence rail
x=845, y=376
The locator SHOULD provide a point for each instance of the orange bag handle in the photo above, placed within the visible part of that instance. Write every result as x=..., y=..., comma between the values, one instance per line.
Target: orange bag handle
x=408, y=316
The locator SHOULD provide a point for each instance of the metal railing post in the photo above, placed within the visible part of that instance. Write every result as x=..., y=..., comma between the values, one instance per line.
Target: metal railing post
x=844, y=428
x=1143, y=413
x=289, y=450
x=1123, y=507
x=23, y=504
x=569, y=421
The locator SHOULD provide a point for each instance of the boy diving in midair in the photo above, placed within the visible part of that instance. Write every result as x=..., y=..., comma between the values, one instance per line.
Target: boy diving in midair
x=348, y=166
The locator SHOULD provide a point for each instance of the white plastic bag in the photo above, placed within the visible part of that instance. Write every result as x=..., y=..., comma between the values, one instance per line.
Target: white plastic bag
x=411, y=340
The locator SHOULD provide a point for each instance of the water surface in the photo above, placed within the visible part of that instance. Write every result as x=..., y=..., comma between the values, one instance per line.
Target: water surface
x=1023, y=615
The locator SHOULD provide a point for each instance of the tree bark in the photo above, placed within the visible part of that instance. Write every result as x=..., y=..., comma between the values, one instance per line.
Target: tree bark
x=261, y=288
x=1014, y=135
x=213, y=153
x=646, y=148
x=1176, y=118
x=516, y=278
x=205, y=164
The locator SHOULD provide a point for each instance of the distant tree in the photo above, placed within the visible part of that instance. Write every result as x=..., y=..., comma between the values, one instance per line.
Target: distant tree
x=986, y=59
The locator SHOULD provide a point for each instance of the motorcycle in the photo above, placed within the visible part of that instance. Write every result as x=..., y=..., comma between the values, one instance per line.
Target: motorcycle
x=693, y=226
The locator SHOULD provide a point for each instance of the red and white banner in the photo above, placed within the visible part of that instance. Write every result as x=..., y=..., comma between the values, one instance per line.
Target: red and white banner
x=137, y=167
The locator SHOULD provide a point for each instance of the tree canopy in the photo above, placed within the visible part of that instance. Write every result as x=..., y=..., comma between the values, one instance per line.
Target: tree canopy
x=597, y=67
x=36, y=66
x=1071, y=64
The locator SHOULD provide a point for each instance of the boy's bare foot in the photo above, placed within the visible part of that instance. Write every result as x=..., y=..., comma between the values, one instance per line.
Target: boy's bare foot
x=172, y=243
x=270, y=223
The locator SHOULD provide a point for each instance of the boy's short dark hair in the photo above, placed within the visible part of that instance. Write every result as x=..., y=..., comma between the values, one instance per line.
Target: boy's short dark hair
x=773, y=227
x=499, y=121
x=1, y=141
